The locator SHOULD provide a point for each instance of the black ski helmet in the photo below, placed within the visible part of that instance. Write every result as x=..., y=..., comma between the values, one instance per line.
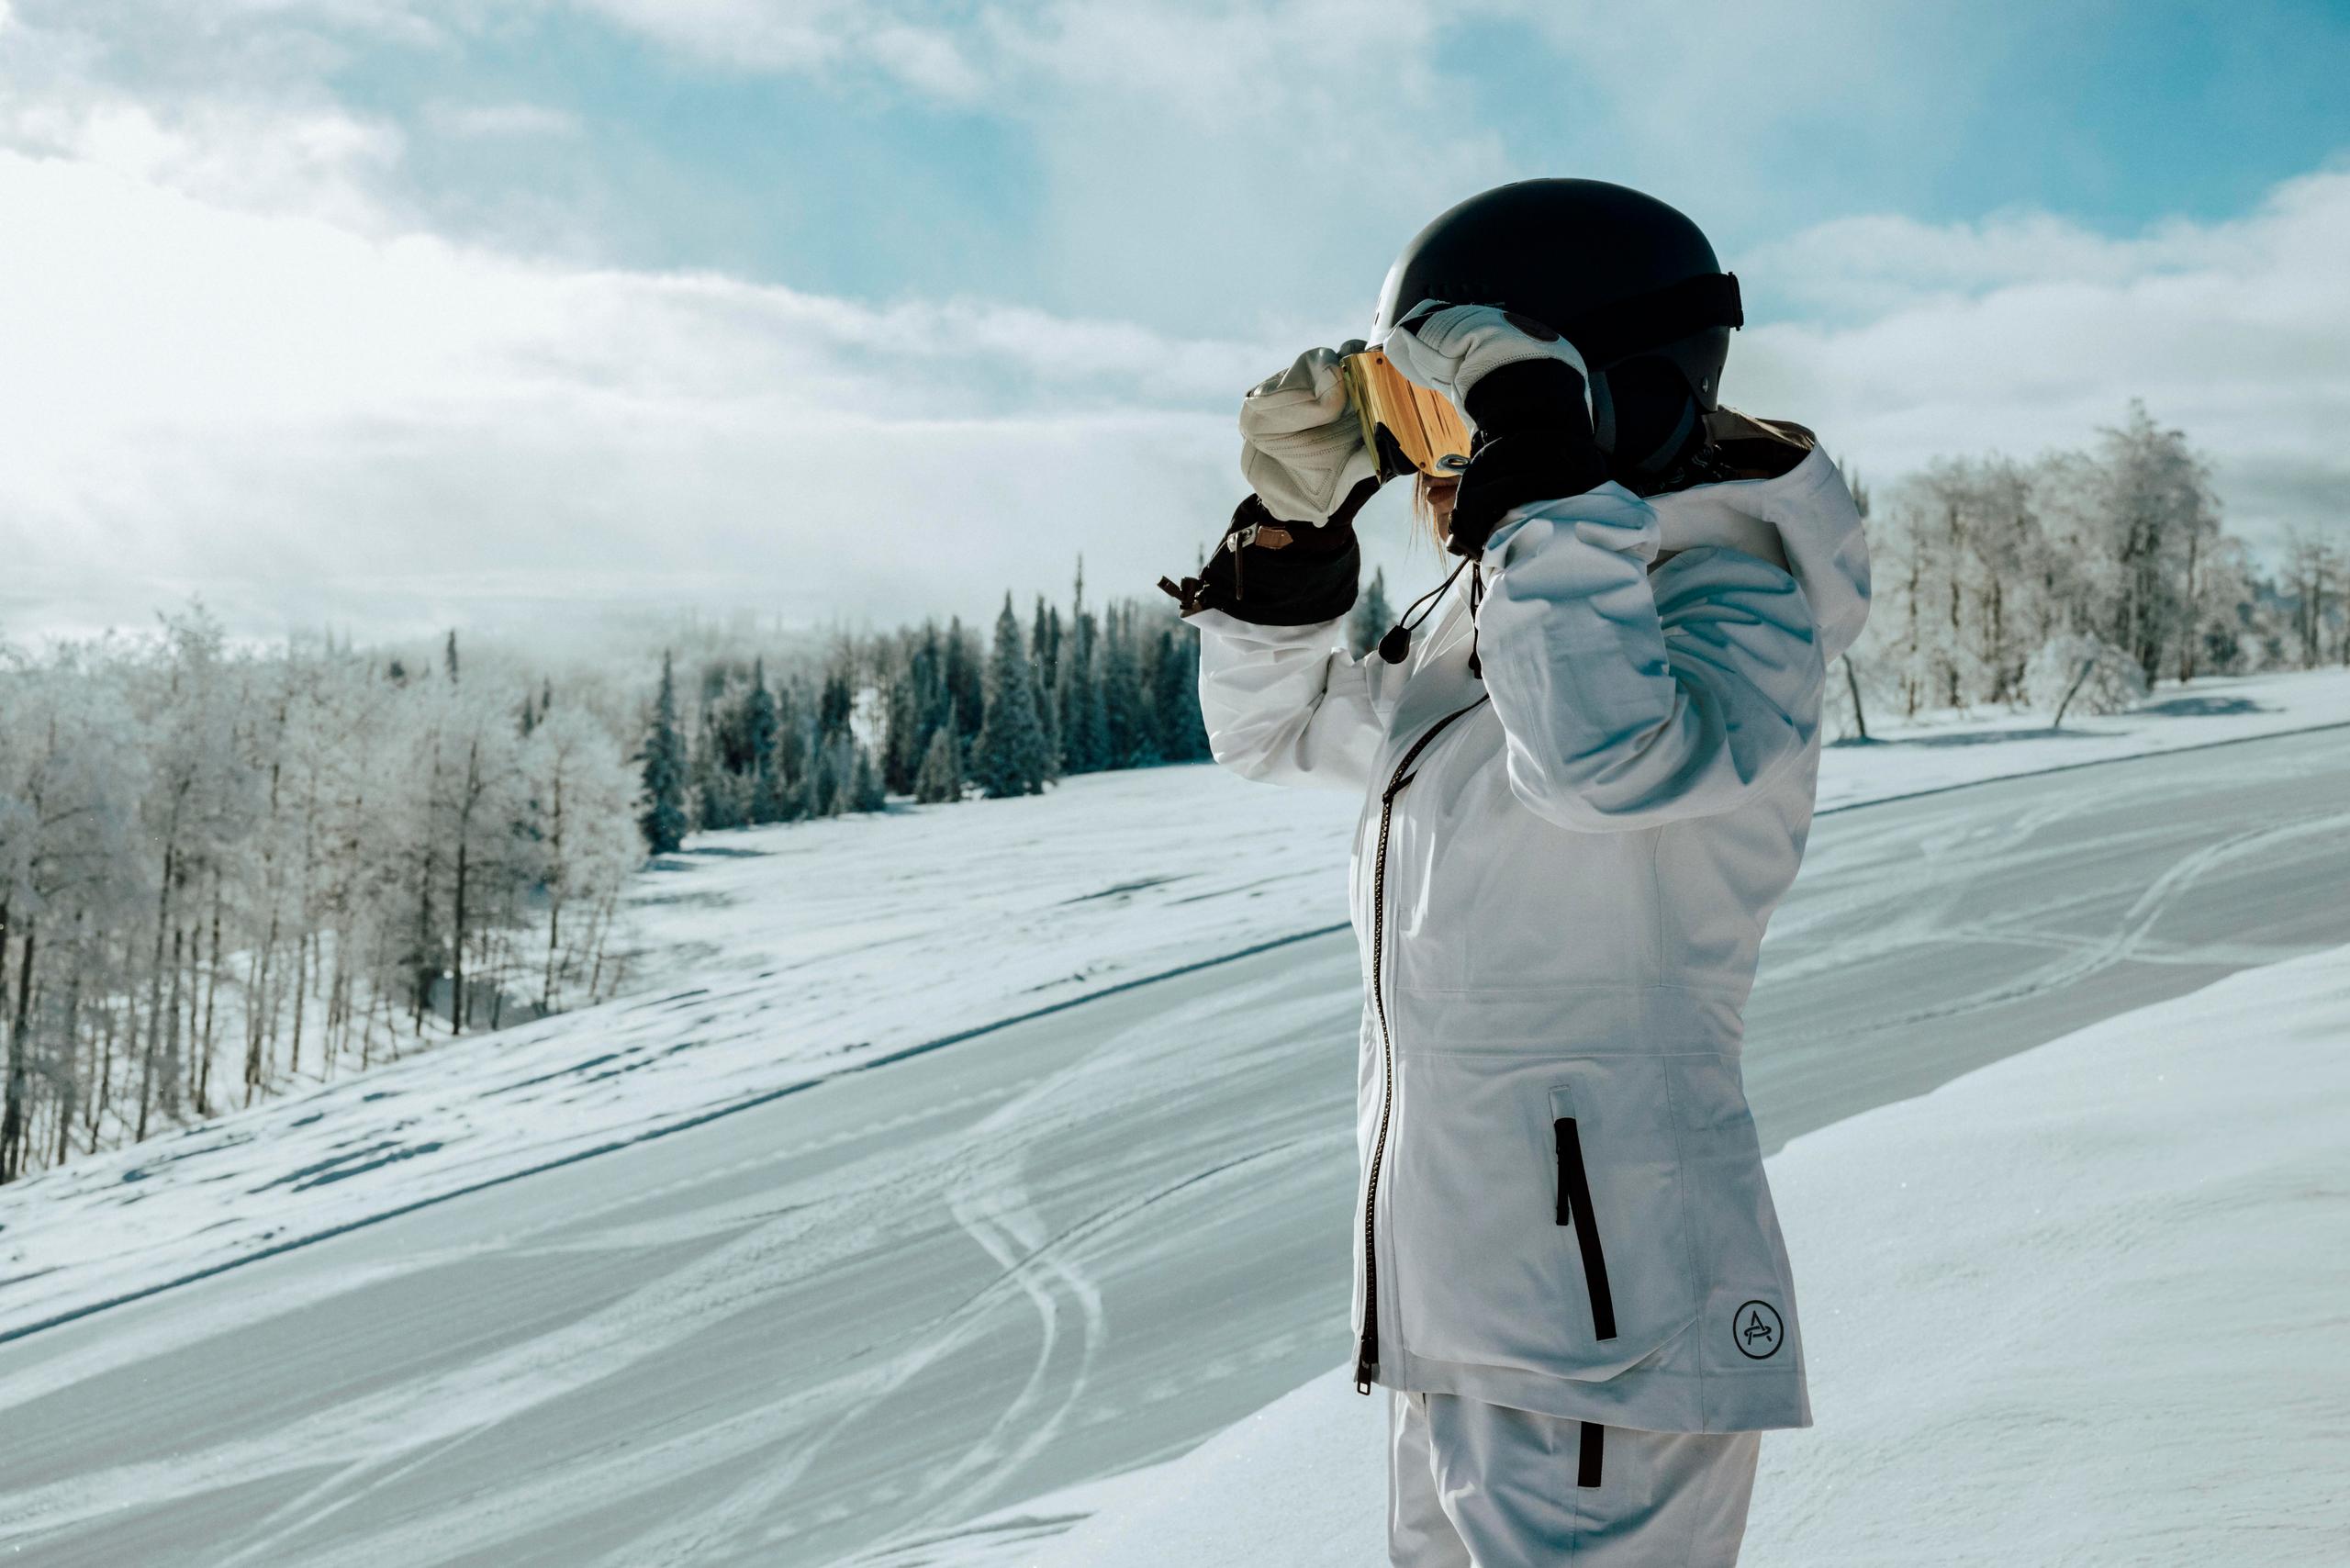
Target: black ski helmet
x=1632, y=282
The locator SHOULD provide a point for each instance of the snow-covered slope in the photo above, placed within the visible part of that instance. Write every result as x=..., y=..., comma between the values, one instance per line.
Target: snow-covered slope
x=1941, y=750
x=2083, y=1306
x=770, y=957
x=774, y=957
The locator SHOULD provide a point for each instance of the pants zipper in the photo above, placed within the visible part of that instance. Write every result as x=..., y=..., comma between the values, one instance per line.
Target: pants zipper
x=1590, y=1442
x=1367, y=1348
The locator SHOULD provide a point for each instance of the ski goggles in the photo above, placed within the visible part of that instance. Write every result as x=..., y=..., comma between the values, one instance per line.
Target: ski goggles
x=1406, y=427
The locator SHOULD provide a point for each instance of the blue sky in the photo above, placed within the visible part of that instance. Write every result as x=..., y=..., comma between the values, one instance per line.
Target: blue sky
x=641, y=298
x=845, y=179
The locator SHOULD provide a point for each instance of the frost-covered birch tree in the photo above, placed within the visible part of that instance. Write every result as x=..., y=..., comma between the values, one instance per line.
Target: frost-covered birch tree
x=224, y=871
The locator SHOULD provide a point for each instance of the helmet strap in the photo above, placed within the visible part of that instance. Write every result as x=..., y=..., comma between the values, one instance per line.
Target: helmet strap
x=1654, y=416
x=1645, y=321
x=1603, y=413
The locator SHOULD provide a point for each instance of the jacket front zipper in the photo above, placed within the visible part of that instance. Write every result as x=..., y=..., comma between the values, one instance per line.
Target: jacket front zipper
x=1367, y=1348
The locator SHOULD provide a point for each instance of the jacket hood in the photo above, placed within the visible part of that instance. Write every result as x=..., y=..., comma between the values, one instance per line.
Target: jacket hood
x=1803, y=519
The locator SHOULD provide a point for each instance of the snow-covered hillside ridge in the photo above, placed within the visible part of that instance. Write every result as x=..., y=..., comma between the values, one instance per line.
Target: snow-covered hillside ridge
x=2082, y=1306
x=774, y=957
x=1945, y=750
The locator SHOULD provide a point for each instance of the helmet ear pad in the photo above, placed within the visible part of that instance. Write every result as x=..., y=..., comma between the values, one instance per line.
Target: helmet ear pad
x=1652, y=417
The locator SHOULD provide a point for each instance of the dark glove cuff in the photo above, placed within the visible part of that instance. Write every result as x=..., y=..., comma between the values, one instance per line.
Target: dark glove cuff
x=1271, y=573
x=1531, y=394
x=1534, y=444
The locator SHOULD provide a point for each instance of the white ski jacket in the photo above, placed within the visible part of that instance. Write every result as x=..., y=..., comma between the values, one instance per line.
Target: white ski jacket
x=1559, y=882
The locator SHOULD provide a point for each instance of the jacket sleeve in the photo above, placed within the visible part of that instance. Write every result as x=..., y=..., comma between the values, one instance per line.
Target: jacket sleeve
x=1287, y=704
x=1630, y=698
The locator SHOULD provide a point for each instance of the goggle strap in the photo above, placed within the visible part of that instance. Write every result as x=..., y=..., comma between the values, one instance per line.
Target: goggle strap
x=1651, y=320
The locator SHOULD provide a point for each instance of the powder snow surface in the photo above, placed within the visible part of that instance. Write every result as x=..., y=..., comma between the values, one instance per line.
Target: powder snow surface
x=777, y=957
x=2085, y=1306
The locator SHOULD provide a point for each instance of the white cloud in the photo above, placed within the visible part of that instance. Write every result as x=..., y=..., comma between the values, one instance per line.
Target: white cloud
x=499, y=121
x=282, y=408
x=799, y=35
x=272, y=150
x=2028, y=333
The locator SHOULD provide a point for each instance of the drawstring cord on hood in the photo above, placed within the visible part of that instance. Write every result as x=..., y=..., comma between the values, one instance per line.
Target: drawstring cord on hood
x=1396, y=646
x=1476, y=598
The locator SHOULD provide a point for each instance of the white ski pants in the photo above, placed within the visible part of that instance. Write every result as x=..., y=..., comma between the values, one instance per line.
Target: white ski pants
x=1477, y=1485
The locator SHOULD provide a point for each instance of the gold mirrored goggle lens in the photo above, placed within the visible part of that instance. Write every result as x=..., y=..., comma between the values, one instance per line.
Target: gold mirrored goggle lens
x=1405, y=426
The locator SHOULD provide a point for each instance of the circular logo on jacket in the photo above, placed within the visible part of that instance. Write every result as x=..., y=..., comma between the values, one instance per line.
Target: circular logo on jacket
x=1756, y=1331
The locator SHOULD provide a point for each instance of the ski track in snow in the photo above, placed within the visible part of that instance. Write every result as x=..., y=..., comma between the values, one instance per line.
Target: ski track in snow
x=2127, y=941
x=1001, y=1216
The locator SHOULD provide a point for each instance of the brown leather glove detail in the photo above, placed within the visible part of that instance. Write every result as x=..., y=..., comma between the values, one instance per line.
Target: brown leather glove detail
x=1271, y=573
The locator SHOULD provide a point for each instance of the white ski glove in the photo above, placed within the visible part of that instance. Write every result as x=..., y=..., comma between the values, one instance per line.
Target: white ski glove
x=1301, y=445
x=1449, y=348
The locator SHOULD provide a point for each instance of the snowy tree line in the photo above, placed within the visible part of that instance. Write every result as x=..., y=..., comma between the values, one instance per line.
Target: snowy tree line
x=223, y=873
x=929, y=713
x=2071, y=583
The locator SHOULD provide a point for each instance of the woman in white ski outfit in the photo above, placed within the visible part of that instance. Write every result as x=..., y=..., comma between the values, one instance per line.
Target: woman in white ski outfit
x=1585, y=787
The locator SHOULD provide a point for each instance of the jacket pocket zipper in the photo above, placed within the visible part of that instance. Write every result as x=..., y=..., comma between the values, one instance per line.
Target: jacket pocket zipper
x=1367, y=1348
x=1574, y=1211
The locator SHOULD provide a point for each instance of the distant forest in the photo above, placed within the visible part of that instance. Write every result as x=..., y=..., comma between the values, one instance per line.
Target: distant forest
x=929, y=713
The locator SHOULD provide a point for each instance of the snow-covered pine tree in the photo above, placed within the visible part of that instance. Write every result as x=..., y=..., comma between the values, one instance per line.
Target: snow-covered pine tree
x=838, y=700
x=865, y=791
x=840, y=772
x=794, y=746
x=710, y=797
x=1126, y=733
x=820, y=790
x=940, y=777
x=1371, y=617
x=1068, y=710
x=1175, y=697
x=1010, y=757
x=902, y=737
x=1097, y=713
x=662, y=804
x=966, y=685
x=762, y=740
x=1044, y=658
x=1149, y=646
x=926, y=671
x=1045, y=643
x=1077, y=693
